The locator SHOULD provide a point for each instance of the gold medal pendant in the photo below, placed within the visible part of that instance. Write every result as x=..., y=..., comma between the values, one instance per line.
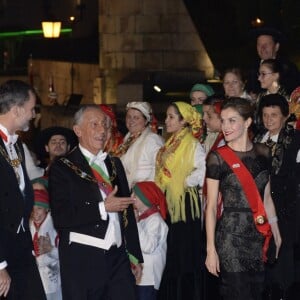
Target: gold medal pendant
x=15, y=163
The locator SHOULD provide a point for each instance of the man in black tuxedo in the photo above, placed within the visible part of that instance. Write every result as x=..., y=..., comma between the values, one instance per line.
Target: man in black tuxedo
x=19, y=277
x=93, y=213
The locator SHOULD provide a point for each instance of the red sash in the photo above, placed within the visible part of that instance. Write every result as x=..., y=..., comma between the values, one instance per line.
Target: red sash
x=251, y=192
x=103, y=184
x=150, y=211
x=3, y=135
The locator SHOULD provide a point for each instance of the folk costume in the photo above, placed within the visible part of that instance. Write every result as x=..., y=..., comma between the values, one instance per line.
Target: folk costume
x=180, y=171
x=153, y=236
x=138, y=152
x=238, y=242
x=92, y=251
x=16, y=201
x=48, y=263
x=116, y=137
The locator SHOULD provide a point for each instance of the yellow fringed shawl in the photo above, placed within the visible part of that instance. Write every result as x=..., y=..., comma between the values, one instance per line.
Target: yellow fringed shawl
x=175, y=161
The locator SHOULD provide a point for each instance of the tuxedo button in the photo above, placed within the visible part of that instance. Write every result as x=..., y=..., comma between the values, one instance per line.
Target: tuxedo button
x=87, y=203
x=97, y=226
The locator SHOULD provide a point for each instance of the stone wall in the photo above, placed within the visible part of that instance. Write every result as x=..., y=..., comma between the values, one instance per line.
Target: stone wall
x=147, y=35
x=86, y=81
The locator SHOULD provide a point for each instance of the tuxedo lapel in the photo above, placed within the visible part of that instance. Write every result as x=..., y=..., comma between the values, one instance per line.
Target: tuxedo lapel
x=9, y=169
x=79, y=160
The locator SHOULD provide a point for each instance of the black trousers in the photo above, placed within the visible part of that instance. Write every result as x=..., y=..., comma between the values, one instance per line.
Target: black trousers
x=26, y=283
x=90, y=273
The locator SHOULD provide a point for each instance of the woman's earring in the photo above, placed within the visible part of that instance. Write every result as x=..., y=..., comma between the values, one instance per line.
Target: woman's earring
x=275, y=84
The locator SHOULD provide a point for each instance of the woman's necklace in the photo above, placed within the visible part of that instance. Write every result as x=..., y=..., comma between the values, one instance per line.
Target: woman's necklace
x=122, y=149
x=15, y=162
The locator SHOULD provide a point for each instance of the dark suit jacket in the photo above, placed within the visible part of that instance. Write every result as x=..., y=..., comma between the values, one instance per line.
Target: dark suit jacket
x=74, y=201
x=13, y=205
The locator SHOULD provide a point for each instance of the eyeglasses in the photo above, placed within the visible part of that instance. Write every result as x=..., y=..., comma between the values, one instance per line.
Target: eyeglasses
x=264, y=74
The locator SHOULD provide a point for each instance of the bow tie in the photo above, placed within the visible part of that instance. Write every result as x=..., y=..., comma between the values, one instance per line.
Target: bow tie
x=9, y=138
x=100, y=157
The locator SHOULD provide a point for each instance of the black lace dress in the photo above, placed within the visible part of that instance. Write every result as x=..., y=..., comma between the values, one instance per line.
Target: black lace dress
x=238, y=243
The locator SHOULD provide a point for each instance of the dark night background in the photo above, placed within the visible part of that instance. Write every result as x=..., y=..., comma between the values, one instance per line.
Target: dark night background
x=223, y=25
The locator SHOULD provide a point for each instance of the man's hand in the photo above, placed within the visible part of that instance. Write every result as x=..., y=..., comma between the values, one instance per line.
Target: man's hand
x=4, y=282
x=137, y=271
x=116, y=204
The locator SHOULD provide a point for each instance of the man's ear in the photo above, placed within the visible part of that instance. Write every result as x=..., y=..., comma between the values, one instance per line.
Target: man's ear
x=77, y=130
x=15, y=111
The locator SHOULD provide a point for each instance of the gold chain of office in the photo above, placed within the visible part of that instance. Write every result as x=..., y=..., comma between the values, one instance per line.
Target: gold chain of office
x=16, y=162
x=86, y=176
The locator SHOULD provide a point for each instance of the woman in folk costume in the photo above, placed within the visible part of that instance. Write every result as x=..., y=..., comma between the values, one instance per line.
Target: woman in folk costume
x=140, y=145
x=114, y=137
x=237, y=243
x=45, y=242
x=294, y=107
x=180, y=171
x=284, y=143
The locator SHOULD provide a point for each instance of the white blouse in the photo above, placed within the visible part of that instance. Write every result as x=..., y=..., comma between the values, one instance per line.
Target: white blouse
x=139, y=160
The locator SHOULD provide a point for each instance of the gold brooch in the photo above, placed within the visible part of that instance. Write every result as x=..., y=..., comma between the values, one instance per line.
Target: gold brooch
x=260, y=220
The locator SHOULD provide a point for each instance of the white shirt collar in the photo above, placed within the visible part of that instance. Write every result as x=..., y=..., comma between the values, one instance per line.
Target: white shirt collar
x=11, y=139
x=100, y=157
x=267, y=136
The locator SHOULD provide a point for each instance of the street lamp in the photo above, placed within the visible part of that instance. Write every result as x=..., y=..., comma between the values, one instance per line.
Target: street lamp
x=51, y=29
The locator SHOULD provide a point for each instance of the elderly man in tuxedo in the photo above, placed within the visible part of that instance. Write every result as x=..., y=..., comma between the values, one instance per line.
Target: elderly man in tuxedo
x=19, y=277
x=93, y=213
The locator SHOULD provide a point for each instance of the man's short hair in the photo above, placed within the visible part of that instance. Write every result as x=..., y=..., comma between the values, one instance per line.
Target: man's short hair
x=12, y=93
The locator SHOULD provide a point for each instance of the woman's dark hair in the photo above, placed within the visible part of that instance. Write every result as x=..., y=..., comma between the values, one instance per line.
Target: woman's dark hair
x=274, y=100
x=274, y=65
x=237, y=72
x=241, y=105
x=215, y=101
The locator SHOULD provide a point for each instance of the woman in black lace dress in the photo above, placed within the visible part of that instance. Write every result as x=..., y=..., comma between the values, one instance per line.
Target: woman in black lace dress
x=234, y=245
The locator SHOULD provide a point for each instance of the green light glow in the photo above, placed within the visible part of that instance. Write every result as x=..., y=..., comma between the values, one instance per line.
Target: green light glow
x=29, y=32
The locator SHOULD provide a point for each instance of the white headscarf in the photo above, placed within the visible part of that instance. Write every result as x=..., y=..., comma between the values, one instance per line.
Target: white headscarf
x=143, y=107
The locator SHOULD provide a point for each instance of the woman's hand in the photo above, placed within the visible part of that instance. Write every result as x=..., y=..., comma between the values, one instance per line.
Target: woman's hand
x=212, y=262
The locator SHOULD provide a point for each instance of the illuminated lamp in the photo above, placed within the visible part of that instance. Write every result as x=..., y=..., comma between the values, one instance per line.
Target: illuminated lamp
x=51, y=29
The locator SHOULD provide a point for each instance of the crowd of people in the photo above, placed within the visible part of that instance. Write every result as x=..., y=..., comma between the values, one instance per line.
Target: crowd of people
x=208, y=210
